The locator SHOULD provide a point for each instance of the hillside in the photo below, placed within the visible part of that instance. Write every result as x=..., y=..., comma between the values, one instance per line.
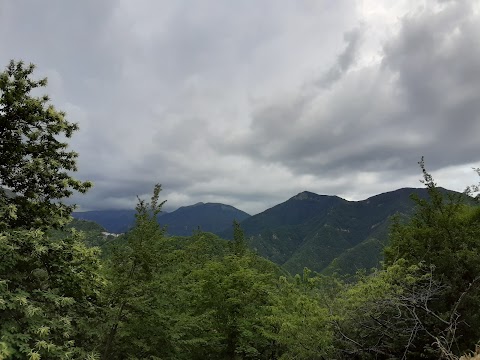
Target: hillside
x=209, y=217
x=93, y=234
x=326, y=233
x=278, y=232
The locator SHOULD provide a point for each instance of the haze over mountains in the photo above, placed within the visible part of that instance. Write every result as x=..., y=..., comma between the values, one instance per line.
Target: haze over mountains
x=324, y=233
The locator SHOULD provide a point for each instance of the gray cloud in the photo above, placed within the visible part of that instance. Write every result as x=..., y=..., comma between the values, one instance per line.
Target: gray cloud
x=422, y=99
x=251, y=102
x=345, y=60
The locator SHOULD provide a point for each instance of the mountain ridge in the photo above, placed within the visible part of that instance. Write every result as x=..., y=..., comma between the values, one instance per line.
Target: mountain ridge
x=210, y=217
x=313, y=230
x=325, y=233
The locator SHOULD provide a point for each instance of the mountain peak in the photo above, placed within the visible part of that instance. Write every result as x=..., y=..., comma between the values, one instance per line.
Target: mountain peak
x=306, y=195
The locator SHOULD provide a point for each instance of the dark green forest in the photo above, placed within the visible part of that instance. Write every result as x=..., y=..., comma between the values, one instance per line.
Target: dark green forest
x=68, y=293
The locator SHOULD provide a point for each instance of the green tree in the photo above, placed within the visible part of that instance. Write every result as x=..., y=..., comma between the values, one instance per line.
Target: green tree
x=300, y=322
x=49, y=296
x=474, y=190
x=387, y=315
x=239, y=245
x=135, y=327
x=49, y=287
x=34, y=163
x=233, y=298
x=444, y=234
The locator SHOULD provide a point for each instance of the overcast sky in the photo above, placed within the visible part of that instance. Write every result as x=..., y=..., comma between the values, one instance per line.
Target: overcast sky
x=251, y=102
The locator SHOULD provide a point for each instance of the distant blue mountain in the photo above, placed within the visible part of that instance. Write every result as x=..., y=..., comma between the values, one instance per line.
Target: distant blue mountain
x=114, y=221
x=210, y=217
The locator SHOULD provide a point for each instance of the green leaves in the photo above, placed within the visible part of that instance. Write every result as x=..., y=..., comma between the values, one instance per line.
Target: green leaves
x=34, y=163
x=444, y=234
x=300, y=322
x=133, y=289
x=48, y=294
x=231, y=296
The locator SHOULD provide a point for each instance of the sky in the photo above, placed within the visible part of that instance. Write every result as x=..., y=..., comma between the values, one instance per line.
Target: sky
x=250, y=102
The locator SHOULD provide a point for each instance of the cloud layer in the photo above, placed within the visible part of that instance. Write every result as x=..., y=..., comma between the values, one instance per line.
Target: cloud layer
x=250, y=102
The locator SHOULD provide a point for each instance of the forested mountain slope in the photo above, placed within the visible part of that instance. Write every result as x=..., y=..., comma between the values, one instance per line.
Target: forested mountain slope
x=209, y=217
x=324, y=233
x=311, y=230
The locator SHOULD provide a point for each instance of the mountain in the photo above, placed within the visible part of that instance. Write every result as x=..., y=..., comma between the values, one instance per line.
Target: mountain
x=279, y=231
x=326, y=233
x=210, y=217
x=114, y=221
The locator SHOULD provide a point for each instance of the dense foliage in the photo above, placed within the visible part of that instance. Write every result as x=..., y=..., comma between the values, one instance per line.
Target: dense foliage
x=150, y=296
x=444, y=234
x=34, y=163
x=49, y=288
x=49, y=296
